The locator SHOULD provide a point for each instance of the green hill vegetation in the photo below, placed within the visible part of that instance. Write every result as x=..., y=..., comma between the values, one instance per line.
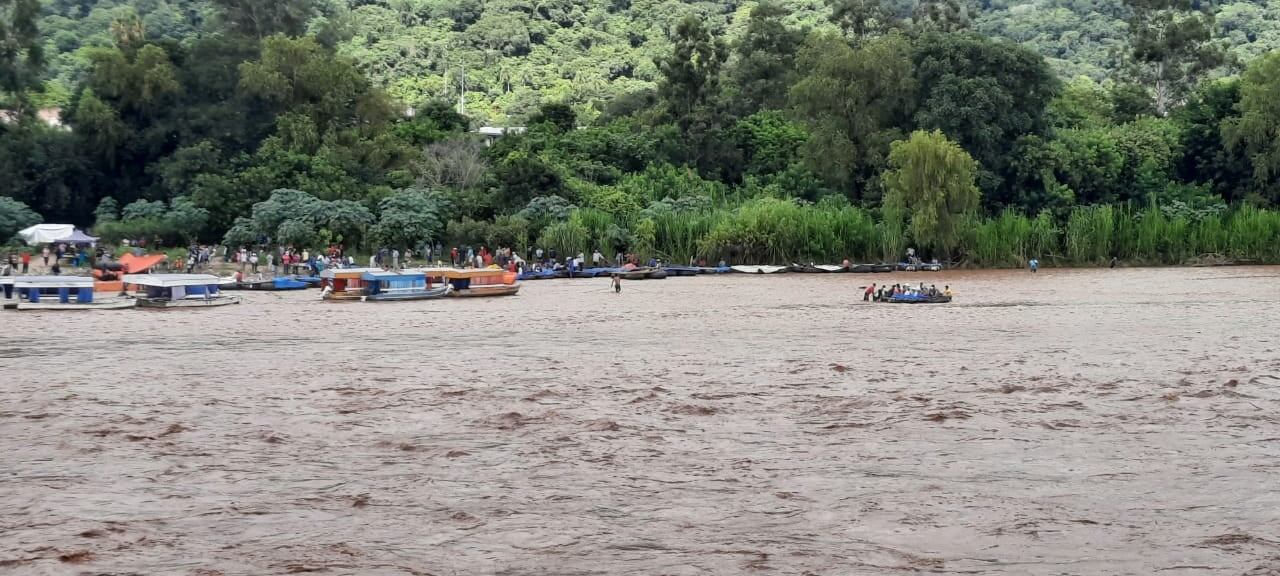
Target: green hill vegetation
x=985, y=133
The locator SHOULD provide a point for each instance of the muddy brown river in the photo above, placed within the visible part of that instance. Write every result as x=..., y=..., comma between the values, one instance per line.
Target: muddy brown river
x=1069, y=422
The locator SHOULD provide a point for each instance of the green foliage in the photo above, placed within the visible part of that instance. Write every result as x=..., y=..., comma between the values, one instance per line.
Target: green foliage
x=932, y=182
x=15, y=216
x=1255, y=130
x=108, y=210
x=409, y=218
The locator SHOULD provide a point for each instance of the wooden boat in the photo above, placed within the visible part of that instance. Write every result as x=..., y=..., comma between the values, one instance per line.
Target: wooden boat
x=805, y=269
x=882, y=268
x=863, y=268
x=656, y=274
x=63, y=293
x=714, y=270
x=832, y=267
x=759, y=269
x=930, y=267
x=681, y=270
x=179, y=290
x=344, y=284
x=389, y=286
x=635, y=274
x=475, y=282
x=906, y=267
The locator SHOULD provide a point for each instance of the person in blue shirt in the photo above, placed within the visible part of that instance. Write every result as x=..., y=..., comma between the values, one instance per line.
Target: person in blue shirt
x=1034, y=265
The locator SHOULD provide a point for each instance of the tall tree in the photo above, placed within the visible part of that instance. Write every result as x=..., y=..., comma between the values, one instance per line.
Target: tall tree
x=1257, y=130
x=931, y=181
x=984, y=94
x=689, y=87
x=854, y=103
x=861, y=19
x=262, y=18
x=765, y=67
x=21, y=56
x=1172, y=47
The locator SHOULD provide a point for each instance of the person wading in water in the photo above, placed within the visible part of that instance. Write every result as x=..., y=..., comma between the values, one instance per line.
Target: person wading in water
x=617, y=284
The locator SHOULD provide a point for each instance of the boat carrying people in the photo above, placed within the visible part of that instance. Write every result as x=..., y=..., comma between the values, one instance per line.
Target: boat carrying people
x=344, y=284
x=908, y=294
x=179, y=290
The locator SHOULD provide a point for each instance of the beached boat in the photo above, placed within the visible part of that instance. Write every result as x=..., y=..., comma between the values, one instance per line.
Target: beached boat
x=682, y=270
x=863, y=268
x=714, y=270
x=656, y=274
x=475, y=282
x=759, y=269
x=906, y=267
x=635, y=274
x=916, y=299
x=341, y=284
x=312, y=281
x=179, y=290
x=833, y=267
x=273, y=284
x=63, y=293
x=388, y=286
x=805, y=269
x=930, y=267
x=882, y=268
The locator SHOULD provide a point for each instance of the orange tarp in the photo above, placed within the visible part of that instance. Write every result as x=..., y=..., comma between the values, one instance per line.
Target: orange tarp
x=129, y=264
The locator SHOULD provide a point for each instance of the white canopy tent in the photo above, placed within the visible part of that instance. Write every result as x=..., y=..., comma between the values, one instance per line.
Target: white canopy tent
x=46, y=233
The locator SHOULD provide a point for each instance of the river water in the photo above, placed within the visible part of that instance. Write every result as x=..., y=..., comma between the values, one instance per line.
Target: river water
x=1070, y=422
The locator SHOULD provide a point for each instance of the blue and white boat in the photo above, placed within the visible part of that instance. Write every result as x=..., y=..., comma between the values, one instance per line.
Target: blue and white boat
x=387, y=285
x=179, y=290
x=63, y=293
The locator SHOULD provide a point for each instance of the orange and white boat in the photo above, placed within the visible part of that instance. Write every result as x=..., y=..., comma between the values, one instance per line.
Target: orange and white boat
x=344, y=283
x=475, y=282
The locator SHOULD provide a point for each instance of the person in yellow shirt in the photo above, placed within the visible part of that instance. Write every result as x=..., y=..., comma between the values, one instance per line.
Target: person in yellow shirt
x=946, y=291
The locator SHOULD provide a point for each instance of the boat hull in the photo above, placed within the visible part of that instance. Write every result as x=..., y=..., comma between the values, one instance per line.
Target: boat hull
x=759, y=269
x=188, y=302
x=931, y=300
x=428, y=294
x=106, y=305
x=486, y=291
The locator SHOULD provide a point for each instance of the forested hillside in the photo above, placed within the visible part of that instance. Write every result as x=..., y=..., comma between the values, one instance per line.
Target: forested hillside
x=517, y=53
x=758, y=132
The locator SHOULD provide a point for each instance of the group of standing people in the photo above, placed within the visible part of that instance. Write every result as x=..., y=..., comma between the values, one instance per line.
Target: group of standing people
x=884, y=293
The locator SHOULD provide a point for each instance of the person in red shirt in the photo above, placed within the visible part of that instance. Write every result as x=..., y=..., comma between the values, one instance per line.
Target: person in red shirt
x=26, y=262
x=866, y=296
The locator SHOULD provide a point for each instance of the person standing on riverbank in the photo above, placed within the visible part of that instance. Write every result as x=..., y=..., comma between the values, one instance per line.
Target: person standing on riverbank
x=617, y=283
x=26, y=261
x=1034, y=265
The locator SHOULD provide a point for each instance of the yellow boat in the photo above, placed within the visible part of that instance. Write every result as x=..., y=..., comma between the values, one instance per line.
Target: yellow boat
x=475, y=282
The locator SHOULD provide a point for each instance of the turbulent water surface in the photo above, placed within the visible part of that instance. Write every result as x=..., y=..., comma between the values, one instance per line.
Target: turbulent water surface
x=1071, y=422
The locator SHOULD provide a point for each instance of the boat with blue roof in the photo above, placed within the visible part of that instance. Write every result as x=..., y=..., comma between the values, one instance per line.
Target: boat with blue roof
x=391, y=285
x=63, y=293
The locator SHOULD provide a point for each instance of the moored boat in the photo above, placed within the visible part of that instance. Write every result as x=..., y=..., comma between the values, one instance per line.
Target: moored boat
x=863, y=268
x=759, y=269
x=929, y=267
x=681, y=270
x=6, y=293
x=341, y=284
x=656, y=274
x=832, y=267
x=179, y=290
x=635, y=274
x=388, y=285
x=63, y=293
x=476, y=282
x=882, y=268
x=806, y=269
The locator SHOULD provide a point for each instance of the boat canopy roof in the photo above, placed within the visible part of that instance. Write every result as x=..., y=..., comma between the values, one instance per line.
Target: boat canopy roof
x=456, y=273
x=171, y=280
x=347, y=272
x=53, y=282
x=387, y=275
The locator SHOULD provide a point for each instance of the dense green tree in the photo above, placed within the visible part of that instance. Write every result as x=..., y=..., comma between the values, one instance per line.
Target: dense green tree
x=1171, y=48
x=1207, y=158
x=409, y=218
x=983, y=94
x=765, y=65
x=860, y=19
x=108, y=210
x=263, y=18
x=854, y=102
x=21, y=54
x=15, y=216
x=557, y=114
x=932, y=181
x=1257, y=129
